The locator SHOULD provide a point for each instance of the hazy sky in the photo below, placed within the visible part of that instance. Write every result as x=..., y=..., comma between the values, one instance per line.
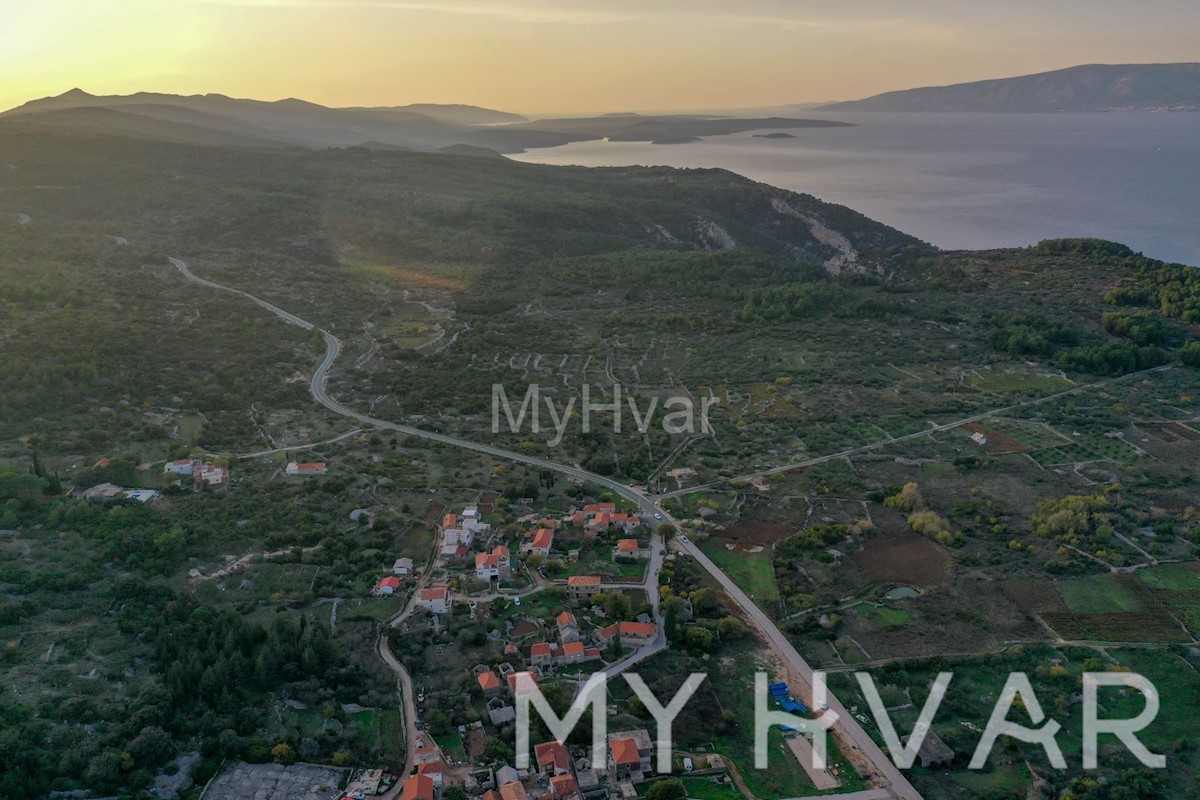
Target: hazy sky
x=567, y=55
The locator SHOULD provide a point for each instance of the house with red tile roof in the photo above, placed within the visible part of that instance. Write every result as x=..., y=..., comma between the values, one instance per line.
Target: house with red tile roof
x=454, y=552
x=568, y=627
x=630, y=549
x=563, y=787
x=637, y=634
x=520, y=683
x=435, y=599
x=513, y=791
x=418, y=787
x=432, y=770
x=541, y=654
x=387, y=586
x=489, y=682
x=496, y=564
x=583, y=586
x=623, y=756
x=538, y=542
x=552, y=758
x=311, y=468
x=577, y=653
x=632, y=634
x=629, y=754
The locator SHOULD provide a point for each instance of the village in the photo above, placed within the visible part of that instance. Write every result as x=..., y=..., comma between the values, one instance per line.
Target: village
x=558, y=624
x=547, y=603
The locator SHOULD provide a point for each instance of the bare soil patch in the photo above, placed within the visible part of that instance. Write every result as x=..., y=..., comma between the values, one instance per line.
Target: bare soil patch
x=750, y=533
x=903, y=558
x=1034, y=597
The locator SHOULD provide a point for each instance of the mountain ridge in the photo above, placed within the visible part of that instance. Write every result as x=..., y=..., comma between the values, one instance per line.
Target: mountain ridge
x=1083, y=88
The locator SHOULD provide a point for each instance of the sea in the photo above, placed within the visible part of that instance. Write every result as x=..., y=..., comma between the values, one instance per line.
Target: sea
x=970, y=181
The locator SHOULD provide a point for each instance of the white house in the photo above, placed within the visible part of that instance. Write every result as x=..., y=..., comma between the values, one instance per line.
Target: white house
x=457, y=536
x=435, y=600
x=313, y=468
x=183, y=466
x=495, y=564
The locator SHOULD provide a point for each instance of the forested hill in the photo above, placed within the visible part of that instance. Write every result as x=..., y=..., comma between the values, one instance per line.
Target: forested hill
x=1093, y=87
x=440, y=208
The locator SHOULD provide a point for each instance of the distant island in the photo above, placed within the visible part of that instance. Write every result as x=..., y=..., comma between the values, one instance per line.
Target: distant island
x=776, y=135
x=1093, y=87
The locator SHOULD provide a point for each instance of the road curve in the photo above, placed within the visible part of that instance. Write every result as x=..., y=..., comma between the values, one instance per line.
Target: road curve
x=897, y=784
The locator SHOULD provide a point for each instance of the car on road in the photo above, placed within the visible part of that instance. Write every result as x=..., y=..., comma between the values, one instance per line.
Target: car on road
x=657, y=515
x=683, y=538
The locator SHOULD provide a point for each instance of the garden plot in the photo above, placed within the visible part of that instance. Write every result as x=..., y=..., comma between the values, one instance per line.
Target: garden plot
x=1089, y=448
x=1115, y=607
x=1001, y=381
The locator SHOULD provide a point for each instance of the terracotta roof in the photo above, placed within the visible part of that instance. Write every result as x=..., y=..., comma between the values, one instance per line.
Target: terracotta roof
x=390, y=582
x=552, y=754
x=624, y=752
x=450, y=521
x=488, y=681
x=540, y=649
x=430, y=768
x=513, y=791
x=628, y=545
x=563, y=785
x=418, y=787
x=573, y=648
x=566, y=618
x=638, y=628
x=583, y=580
x=514, y=677
x=437, y=593
x=542, y=538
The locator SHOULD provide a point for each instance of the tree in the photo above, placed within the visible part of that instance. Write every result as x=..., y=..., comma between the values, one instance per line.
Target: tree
x=438, y=722
x=283, y=753
x=730, y=629
x=497, y=750
x=670, y=789
x=701, y=639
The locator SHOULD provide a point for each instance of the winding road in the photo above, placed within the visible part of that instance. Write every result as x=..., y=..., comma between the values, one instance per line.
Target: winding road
x=890, y=781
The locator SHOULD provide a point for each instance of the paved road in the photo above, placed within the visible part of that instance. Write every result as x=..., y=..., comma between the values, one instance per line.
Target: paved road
x=851, y=731
x=897, y=784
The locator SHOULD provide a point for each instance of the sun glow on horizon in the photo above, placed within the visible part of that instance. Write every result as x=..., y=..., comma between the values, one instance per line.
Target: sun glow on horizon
x=572, y=56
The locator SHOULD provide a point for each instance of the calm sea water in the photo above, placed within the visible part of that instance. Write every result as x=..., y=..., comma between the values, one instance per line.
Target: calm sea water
x=971, y=180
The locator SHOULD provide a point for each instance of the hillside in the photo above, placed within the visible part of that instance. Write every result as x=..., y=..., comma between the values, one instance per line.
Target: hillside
x=1093, y=87
x=217, y=119
x=239, y=622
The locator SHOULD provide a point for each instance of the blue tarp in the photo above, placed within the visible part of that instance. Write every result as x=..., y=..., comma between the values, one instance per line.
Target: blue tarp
x=793, y=707
x=779, y=690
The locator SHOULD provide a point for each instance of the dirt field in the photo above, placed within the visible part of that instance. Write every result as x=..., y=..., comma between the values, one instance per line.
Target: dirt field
x=998, y=443
x=748, y=534
x=1034, y=597
x=903, y=558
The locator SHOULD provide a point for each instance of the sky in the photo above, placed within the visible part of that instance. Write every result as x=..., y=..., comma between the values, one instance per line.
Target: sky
x=568, y=56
